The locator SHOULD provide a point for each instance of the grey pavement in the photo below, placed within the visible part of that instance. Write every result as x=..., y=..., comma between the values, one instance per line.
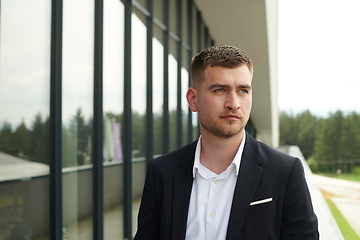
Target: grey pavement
x=328, y=228
x=346, y=198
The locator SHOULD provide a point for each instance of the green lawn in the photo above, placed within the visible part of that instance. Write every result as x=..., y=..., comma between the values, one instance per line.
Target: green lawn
x=344, y=226
x=346, y=176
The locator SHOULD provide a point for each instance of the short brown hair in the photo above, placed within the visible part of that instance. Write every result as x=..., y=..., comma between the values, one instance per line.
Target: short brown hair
x=220, y=55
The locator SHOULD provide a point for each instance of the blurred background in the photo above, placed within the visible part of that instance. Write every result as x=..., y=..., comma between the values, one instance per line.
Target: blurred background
x=91, y=91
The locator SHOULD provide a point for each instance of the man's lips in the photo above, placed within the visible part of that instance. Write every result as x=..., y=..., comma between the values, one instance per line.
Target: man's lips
x=231, y=117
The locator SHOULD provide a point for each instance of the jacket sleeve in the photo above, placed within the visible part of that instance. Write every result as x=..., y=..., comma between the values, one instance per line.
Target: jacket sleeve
x=148, y=218
x=298, y=218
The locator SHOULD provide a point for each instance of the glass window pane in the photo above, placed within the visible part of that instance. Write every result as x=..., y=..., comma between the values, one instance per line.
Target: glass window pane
x=195, y=125
x=173, y=74
x=24, y=119
x=138, y=102
x=184, y=104
x=113, y=97
x=138, y=88
x=77, y=114
x=158, y=96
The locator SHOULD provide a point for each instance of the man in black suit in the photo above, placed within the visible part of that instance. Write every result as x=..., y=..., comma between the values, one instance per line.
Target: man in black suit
x=225, y=185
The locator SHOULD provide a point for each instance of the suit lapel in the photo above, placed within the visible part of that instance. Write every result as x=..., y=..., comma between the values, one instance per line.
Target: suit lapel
x=247, y=181
x=183, y=180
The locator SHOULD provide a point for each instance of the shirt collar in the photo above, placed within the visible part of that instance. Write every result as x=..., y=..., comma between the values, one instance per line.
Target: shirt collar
x=236, y=161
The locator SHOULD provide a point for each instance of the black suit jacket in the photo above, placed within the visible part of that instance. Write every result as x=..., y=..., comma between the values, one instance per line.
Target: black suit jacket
x=264, y=173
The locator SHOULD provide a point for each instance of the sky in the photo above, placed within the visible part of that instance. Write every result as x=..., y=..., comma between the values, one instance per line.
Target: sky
x=318, y=59
x=319, y=56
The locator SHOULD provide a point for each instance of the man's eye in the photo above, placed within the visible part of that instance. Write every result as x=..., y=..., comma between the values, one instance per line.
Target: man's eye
x=219, y=90
x=243, y=91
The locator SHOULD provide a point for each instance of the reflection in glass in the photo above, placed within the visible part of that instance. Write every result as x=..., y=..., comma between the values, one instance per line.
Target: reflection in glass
x=195, y=125
x=172, y=100
x=77, y=111
x=158, y=95
x=138, y=107
x=184, y=104
x=113, y=84
x=138, y=86
x=24, y=119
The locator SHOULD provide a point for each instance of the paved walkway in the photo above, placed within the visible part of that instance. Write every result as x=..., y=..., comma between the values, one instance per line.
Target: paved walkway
x=346, y=198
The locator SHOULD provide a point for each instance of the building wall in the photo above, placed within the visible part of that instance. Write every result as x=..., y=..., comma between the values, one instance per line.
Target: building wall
x=90, y=91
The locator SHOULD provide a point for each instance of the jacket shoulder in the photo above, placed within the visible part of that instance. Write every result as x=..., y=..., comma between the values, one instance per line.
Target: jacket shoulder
x=176, y=158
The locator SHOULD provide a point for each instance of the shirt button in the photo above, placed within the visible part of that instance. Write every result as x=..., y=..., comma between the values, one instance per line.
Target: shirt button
x=211, y=214
x=216, y=181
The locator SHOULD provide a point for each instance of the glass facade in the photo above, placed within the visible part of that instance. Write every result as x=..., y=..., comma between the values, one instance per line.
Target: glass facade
x=49, y=119
x=113, y=107
x=77, y=115
x=24, y=119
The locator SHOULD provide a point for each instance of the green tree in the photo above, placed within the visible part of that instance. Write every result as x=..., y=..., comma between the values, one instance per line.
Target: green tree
x=307, y=126
x=6, y=139
x=6, y=136
x=79, y=131
x=288, y=129
x=350, y=140
x=138, y=134
x=327, y=143
x=39, y=149
x=22, y=140
x=69, y=151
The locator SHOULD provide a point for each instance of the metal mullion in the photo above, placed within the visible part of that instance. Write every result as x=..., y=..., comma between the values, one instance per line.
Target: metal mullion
x=97, y=158
x=149, y=82
x=179, y=56
x=55, y=184
x=198, y=28
x=190, y=53
x=206, y=37
x=166, y=129
x=127, y=165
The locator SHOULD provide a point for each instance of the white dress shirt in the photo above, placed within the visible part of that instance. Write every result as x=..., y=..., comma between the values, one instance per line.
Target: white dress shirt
x=211, y=198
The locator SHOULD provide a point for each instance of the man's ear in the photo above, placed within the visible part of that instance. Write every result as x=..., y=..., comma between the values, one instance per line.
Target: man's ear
x=191, y=96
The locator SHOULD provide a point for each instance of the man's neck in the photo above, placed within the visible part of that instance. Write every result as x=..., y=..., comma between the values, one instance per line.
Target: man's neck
x=218, y=153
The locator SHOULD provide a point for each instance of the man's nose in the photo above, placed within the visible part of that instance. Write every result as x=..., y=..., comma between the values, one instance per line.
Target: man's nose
x=232, y=101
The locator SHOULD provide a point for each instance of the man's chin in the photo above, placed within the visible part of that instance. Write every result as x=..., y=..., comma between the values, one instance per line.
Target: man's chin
x=227, y=134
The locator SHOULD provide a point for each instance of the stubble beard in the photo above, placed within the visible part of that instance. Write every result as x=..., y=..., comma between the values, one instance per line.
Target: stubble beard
x=221, y=132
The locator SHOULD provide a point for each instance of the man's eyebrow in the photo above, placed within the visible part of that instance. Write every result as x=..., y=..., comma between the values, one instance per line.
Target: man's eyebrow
x=245, y=86
x=216, y=85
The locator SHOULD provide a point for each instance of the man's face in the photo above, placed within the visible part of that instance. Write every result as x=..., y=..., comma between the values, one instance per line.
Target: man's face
x=223, y=100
